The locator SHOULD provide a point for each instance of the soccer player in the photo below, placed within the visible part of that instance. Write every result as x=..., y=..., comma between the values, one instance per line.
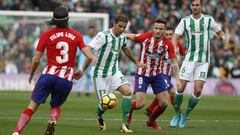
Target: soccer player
x=165, y=68
x=195, y=65
x=61, y=44
x=81, y=58
x=156, y=48
x=106, y=75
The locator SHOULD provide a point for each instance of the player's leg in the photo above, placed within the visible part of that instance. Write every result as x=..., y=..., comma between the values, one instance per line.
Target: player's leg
x=200, y=75
x=60, y=91
x=119, y=82
x=25, y=117
x=151, y=106
x=79, y=86
x=186, y=73
x=141, y=85
x=100, y=86
x=158, y=110
x=39, y=96
x=159, y=85
x=88, y=84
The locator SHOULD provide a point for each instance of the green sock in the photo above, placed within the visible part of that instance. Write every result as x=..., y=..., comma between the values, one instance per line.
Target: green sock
x=191, y=104
x=126, y=107
x=100, y=111
x=178, y=98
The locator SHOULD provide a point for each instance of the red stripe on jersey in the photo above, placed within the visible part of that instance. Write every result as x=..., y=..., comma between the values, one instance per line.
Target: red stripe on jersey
x=147, y=45
x=62, y=72
x=155, y=50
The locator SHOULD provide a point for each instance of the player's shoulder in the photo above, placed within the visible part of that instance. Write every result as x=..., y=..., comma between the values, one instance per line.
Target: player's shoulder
x=207, y=16
x=105, y=32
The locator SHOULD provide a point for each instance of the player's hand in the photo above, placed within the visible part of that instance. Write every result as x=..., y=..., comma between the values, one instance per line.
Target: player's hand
x=179, y=85
x=30, y=79
x=94, y=61
x=78, y=74
x=141, y=65
x=224, y=42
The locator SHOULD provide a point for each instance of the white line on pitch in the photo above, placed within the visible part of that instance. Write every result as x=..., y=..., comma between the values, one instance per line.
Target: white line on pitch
x=110, y=119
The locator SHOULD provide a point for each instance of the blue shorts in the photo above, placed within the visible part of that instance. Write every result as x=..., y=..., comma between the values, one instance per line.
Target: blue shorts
x=167, y=79
x=157, y=82
x=58, y=87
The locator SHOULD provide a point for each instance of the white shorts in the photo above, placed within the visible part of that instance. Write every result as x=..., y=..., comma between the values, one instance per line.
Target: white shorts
x=103, y=85
x=193, y=70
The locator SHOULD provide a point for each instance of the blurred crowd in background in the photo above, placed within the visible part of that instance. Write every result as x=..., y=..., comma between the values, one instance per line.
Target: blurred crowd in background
x=17, y=50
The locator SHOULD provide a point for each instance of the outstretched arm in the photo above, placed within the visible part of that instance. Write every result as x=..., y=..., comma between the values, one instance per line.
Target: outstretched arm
x=35, y=62
x=175, y=72
x=129, y=54
x=89, y=57
x=221, y=34
x=174, y=41
x=130, y=36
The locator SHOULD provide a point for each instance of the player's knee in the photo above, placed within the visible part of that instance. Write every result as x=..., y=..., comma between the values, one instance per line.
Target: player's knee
x=197, y=92
x=140, y=104
x=163, y=104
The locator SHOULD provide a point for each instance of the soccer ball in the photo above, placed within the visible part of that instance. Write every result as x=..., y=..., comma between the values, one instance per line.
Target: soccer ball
x=108, y=101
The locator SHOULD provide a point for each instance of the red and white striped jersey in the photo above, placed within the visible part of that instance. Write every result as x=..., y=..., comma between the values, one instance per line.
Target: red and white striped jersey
x=165, y=67
x=61, y=46
x=153, y=52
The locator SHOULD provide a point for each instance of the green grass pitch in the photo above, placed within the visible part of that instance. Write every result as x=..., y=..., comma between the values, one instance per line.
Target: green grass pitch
x=214, y=115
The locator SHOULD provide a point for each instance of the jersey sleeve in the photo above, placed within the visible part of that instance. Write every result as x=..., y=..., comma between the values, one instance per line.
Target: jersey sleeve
x=142, y=36
x=181, y=48
x=171, y=50
x=42, y=43
x=180, y=28
x=81, y=42
x=214, y=26
x=98, y=41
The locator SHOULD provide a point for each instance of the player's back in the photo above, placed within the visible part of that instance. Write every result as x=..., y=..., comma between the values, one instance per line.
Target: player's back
x=61, y=45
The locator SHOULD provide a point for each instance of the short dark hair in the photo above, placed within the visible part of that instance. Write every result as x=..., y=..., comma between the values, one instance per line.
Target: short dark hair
x=194, y=0
x=159, y=20
x=121, y=18
x=60, y=17
x=169, y=28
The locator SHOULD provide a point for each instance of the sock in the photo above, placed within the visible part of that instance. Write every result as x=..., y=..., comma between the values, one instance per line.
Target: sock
x=178, y=98
x=153, y=104
x=191, y=104
x=157, y=111
x=100, y=111
x=23, y=120
x=126, y=107
x=55, y=113
x=172, y=100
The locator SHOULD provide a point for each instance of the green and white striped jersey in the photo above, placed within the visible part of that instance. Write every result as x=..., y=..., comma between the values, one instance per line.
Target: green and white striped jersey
x=107, y=49
x=198, y=33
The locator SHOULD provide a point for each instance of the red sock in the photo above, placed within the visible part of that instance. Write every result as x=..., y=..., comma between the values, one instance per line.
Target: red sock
x=157, y=111
x=23, y=120
x=134, y=105
x=172, y=100
x=55, y=113
x=153, y=104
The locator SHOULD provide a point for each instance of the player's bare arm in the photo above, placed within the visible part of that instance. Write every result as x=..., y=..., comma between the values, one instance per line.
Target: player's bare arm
x=175, y=72
x=221, y=34
x=89, y=57
x=130, y=36
x=174, y=41
x=129, y=54
x=35, y=63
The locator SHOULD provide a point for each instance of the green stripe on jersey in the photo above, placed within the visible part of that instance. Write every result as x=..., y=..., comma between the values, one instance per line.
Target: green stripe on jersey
x=114, y=69
x=207, y=55
x=201, y=41
x=100, y=57
x=188, y=43
x=193, y=40
x=109, y=58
